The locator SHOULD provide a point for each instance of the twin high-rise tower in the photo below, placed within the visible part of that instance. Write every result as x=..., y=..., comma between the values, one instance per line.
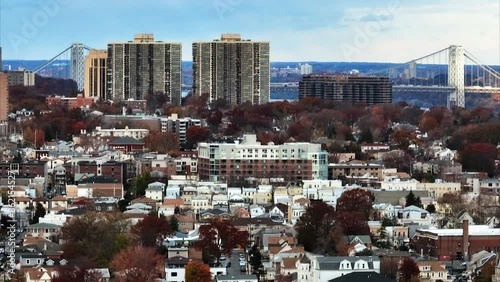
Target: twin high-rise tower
x=231, y=68
x=141, y=67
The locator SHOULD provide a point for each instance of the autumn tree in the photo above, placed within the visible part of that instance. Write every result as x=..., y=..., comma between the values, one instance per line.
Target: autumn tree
x=161, y=142
x=138, y=264
x=408, y=270
x=151, y=231
x=356, y=200
x=197, y=271
x=194, y=135
x=95, y=236
x=220, y=237
x=314, y=226
x=454, y=201
x=479, y=157
x=79, y=271
x=403, y=138
x=389, y=268
x=352, y=223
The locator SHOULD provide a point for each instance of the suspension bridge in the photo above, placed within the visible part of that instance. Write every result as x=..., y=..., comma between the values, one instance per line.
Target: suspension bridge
x=452, y=71
x=58, y=66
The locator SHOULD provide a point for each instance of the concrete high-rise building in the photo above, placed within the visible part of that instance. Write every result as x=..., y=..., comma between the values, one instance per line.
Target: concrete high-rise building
x=4, y=97
x=144, y=66
x=232, y=69
x=413, y=69
x=95, y=74
x=21, y=77
x=306, y=69
x=349, y=89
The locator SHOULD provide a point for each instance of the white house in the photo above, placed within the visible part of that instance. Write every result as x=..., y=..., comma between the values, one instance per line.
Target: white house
x=200, y=202
x=155, y=191
x=414, y=214
x=328, y=268
x=256, y=211
x=53, y=218
x=173, y=192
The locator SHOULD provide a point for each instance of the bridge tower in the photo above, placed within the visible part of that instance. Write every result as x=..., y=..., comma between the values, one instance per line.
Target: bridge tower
x=78, y=64
x=456, y=76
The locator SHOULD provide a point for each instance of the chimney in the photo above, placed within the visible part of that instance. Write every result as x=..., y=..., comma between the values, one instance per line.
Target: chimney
x=465, y=239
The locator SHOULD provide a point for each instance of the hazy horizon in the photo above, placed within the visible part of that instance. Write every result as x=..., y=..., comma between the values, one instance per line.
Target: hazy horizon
x=299, y=31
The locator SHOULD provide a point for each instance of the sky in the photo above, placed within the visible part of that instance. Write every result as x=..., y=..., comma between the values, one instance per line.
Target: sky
x=298, y=30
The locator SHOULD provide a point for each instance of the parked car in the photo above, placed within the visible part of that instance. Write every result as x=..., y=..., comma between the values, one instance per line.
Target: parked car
x=222, y=257
x=228, y=264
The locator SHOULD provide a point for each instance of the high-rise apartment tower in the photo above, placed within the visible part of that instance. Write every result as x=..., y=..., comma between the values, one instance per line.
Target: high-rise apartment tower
x=144, y=66
x=232, y=69
x=95, y=74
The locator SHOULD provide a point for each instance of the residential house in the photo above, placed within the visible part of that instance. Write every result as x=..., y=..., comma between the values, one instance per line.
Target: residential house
x=414, y=214
x=327, y=268
x=173, y=192
x=200, y=202
x=175, y=268
x=45, y=230
x=241, y=212
x=362, y=276
x=480, y=259
x=40, y=274
x=432, y=271
x=155, y=191
x=257, y=211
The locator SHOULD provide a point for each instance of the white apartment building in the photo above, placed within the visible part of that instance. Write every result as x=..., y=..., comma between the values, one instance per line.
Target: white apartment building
x=248, y=158
x=178, y=125
x=134, y=133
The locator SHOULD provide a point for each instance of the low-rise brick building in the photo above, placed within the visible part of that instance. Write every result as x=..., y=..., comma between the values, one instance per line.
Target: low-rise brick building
x=448, y=244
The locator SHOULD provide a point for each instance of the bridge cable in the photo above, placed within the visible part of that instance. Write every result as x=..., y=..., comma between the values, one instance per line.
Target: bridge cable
x=404, y=64
x=51, y=60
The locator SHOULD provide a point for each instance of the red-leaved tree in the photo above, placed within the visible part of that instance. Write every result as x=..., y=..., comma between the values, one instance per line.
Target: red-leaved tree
x=220, y=237
x=197, y=271
x=151, y=231
x=138, y=264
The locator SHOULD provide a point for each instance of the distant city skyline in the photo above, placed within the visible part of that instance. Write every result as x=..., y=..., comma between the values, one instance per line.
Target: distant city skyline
x=343, y=31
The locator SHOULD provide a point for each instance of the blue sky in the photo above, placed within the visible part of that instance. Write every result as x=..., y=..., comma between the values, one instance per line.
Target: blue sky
x=312, y=30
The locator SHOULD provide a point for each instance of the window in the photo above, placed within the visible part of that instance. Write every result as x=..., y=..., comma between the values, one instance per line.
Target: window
x=27, y=261
x=174, y=274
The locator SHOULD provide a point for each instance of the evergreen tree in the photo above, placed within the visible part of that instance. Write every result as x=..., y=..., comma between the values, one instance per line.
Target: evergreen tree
x=431, y=208
x=39, y=212
x=174, y=223
x=411, y=199
x=255, y=258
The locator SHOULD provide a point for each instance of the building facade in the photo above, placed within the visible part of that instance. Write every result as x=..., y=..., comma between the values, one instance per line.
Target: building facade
x=347, y=89
x=249, y=159
x=95, y=74
x=232, y=69
x=69, y=102
x=144, y=66
x=447, y=244
x=4, y=97
x=21, y=77
x=178, y=126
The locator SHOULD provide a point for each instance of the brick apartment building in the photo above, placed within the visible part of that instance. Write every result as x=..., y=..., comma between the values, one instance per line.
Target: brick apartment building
x=447, y=244
x=249, y=159
x=69, y=102
x=25, y=169
x=116, y=170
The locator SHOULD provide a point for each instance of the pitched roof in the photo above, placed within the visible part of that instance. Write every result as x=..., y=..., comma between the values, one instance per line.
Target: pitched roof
x=435, y=265
x=289, y=263
x=43, y=225
x=362, y=276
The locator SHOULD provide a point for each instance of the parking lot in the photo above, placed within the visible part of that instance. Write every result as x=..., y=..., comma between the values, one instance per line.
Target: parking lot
x=235, y=262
